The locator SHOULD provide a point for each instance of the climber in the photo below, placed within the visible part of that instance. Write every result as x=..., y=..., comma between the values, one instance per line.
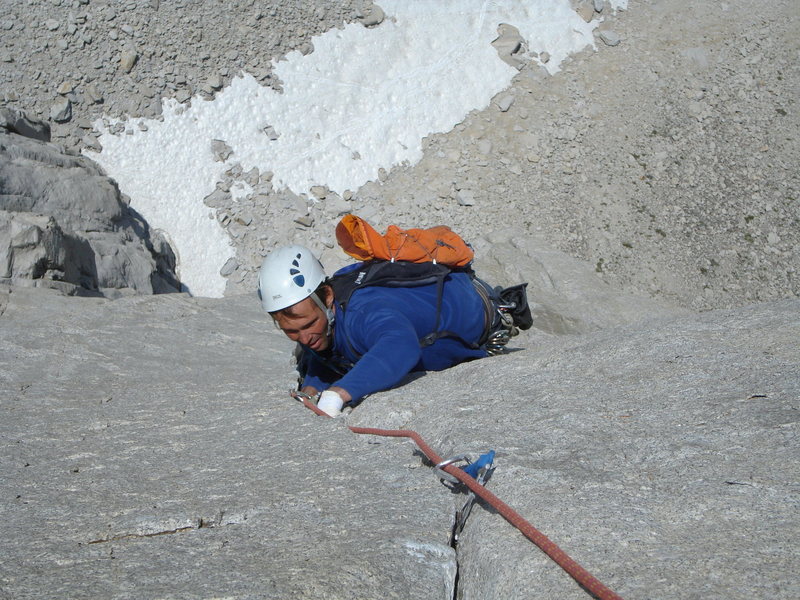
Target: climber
x=359, y=341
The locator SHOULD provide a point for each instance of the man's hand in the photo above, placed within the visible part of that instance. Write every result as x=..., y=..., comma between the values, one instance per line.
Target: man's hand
x=330, y=403
x=332, y=400
x=310, y=390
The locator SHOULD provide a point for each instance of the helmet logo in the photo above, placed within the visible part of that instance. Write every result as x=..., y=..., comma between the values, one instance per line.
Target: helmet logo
x=297, y=277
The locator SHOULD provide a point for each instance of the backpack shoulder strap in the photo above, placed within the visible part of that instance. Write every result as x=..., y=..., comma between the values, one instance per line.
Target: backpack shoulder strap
x=384, y=273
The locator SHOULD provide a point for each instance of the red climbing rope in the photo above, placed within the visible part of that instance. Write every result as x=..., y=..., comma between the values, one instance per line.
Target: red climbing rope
x=593, y=585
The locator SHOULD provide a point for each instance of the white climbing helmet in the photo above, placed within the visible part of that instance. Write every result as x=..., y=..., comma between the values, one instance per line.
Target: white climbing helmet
x=287, y=276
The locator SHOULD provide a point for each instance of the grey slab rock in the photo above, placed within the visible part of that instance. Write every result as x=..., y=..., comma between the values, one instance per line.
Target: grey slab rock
x=229, y=267
x=504, y=102
x=61, y=110
x=509, y=45
x=465, y=197
x=35, y=251
x=127, y=60
x=92, y=94
x=30, y=245
x=374, y=17
x=221, y=150
x=586, y=10
x=150, y=449
x=40, y=178
x=566, y=295
x=609, y=37
x=663, y=457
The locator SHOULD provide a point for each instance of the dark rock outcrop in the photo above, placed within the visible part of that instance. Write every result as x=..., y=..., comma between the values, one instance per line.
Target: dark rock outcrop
x=64, y=223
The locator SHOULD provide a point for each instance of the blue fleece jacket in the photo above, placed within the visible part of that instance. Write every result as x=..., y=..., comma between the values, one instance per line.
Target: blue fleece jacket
x=379, y=332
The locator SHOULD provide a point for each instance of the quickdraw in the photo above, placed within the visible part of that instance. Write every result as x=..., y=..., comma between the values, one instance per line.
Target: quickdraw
x=481, y=470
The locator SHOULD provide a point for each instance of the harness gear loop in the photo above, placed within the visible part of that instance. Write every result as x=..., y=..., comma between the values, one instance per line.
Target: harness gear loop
x=498, y=317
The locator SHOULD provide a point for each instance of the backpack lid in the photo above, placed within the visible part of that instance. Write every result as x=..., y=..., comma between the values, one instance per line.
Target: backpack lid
x=437, y=244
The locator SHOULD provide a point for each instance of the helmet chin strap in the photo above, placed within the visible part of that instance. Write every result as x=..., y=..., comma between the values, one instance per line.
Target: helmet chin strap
x=327, y=311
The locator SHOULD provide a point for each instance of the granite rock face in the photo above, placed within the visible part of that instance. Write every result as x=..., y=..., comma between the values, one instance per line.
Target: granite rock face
x=663, y=457
x=90, y=241
x=566, y=295
x=150, y=449
x=34, y=245
x=16, y=121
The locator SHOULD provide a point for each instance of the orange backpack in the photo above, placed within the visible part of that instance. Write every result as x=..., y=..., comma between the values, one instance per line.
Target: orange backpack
x=437, y=245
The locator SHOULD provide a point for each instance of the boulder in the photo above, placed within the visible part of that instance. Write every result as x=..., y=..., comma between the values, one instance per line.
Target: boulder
x=107, y=247
x=33, y=245
x=16, y=121
x=35, y=251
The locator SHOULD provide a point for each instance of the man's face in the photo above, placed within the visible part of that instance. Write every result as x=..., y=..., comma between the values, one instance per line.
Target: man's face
x=305, y=323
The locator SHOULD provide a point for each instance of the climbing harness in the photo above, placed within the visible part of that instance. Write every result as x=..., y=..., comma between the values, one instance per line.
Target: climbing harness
x=506, y=311
x=496, y=342
x=588, y=581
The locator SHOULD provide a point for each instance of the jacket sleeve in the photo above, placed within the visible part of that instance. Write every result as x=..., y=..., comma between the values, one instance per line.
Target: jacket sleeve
x=389, y=348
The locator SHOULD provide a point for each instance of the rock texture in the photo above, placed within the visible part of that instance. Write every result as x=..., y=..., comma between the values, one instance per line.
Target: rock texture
x=663, y=458
x=566, y=295
x=148, y=444
x=151, y=449
x=77, y=60
x=64, y=224
x=666, y=162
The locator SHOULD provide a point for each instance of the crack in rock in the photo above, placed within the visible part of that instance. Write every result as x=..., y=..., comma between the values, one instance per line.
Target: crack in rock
x=197, y=523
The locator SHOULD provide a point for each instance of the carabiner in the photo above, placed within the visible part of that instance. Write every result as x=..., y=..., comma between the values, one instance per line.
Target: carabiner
x=442, y=474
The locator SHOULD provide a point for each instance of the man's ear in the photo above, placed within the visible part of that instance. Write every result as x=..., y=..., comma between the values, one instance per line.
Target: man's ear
x=327, y=295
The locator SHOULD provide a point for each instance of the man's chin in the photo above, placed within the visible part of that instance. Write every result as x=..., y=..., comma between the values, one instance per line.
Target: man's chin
x=322, y=346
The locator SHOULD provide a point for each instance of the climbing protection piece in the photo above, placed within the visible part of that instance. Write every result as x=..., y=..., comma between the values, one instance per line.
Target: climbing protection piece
x=480, y=470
